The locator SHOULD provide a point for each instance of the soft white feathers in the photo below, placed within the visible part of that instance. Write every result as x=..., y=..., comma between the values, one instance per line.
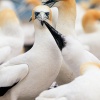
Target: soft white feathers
x=4, y=53
x=79, y=15
x=85, y=87
x=12, y=74
x=92, y=40
x=12, y=35
x=75, y=55
x=54, y=16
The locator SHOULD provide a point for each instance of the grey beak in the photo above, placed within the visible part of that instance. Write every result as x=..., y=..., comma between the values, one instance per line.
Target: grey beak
x=42, y=16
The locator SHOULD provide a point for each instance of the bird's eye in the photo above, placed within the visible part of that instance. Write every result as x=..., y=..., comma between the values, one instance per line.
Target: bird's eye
x=36, y=13
x=47, y=13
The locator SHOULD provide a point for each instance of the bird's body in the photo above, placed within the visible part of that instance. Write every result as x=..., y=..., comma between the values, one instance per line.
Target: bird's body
x=91, y=35
x=73, y=52
x=75, y=55
x=11, y=33
x=66, y=26
x=84, y=87
x=44, y=62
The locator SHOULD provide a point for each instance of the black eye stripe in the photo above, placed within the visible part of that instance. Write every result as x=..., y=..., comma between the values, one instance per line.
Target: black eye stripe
x=37, y=13
x=47, y=13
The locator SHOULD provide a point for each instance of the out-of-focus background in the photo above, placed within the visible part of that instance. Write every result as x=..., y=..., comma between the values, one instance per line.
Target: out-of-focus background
x=22, y=9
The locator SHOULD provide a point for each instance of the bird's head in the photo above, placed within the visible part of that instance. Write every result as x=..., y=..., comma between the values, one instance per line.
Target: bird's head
x=8, y=16
x=51, y=3
x=41, y=13
x=33, y=2
x=91, y=21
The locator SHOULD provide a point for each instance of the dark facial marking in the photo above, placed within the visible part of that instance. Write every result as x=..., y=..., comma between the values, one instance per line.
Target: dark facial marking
x=50, y=3
x=36, y=14
x=93, y=6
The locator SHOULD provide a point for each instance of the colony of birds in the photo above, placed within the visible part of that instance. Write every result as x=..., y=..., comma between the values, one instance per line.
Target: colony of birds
x=65, y=39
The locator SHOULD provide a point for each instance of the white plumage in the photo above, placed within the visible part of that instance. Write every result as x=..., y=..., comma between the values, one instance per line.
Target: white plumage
x=43, y=61
x=84, y=87
x=91, y=34
x=11, y=34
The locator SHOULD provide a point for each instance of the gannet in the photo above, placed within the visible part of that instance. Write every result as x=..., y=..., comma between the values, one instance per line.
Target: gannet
x=54, y=10
x=11, y=33
x=28, y=29
x=73, y=51
x=4, y=4
x=84, y=87
x=91, y=34
x=66, y=26
x=42, y=62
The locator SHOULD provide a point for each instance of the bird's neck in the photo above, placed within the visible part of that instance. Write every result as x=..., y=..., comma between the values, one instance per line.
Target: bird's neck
x=88, y=67
x=43, y=38
x=67, y=16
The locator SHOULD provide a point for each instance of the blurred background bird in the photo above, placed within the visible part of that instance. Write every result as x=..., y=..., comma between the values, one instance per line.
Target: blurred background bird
x=11, y=34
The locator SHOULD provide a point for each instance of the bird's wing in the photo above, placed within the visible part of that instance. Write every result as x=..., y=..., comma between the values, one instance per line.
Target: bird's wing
x=12, y=74
x=54, y=16
x=4, y=53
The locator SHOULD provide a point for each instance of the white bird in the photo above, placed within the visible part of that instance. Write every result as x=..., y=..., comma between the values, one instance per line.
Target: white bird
x=66, y=26
x=91, y=26
x=11, y=34
x=73, y=51
x=43, y=62
x=66, y=23
x=28, y=28
x=84, y=87
x=6, y=4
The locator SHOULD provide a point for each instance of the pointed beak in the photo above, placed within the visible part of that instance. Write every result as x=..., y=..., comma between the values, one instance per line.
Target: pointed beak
x=42, y=17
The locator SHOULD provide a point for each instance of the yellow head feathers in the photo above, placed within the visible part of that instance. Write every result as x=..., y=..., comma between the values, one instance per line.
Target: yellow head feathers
x=85, y=66
x=8, y=16
x=34, y=2
x=90, y=18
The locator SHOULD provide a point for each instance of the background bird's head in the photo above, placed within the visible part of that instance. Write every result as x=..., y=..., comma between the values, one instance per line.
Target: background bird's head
x=91, y=21
x=34, y=2
x=51, y=3
x=8, y=16
x=88, y=66
x=57, y=3
x=41, y=13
